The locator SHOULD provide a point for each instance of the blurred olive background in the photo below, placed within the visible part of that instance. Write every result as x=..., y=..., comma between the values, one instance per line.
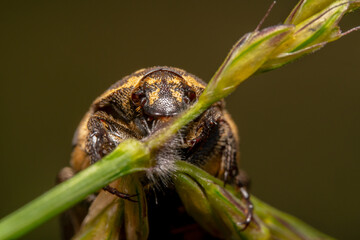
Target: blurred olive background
x=299, y=125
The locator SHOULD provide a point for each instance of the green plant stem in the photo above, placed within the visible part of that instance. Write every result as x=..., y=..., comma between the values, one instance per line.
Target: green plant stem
x=284, y=226
x=131, y=156
x=194, y=111
x=244, y=59
x=205, y=198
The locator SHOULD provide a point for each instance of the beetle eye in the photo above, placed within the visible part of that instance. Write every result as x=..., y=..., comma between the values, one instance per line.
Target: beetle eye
x=190, y=96
x=138, y=97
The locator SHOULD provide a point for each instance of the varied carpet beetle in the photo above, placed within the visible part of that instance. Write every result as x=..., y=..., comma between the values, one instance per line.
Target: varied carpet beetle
x=136, y=107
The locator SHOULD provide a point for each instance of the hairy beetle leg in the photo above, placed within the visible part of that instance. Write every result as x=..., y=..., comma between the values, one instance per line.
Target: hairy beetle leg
x=249, y=207
x=120, y=194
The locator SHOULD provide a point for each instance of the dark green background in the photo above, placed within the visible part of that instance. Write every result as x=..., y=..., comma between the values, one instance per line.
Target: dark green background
x=299, y=125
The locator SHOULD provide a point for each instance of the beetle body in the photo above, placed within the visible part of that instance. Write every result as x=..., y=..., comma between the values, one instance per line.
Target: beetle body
x=138, y=106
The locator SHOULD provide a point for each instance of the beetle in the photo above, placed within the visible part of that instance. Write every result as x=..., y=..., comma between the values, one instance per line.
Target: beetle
x=137, y=107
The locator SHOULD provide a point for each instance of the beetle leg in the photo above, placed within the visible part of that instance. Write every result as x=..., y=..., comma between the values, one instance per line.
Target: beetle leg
x=232, y=173
x=206, y=124
x=246, y=196
x=120, y=194
x=103, y=140
x=64, y=174
x=228, y=153
x=229, y=156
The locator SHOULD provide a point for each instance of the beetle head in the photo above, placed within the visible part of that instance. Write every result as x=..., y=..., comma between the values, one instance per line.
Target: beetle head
x=162, y=93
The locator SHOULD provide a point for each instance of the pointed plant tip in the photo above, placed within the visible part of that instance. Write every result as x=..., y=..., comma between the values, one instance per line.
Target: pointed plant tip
x=307, y=8
x=265, y=16
x=245, y=58
x=258, y=43
x=313, y=32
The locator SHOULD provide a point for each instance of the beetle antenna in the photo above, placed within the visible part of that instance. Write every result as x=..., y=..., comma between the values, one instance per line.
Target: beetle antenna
x=146, y=126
